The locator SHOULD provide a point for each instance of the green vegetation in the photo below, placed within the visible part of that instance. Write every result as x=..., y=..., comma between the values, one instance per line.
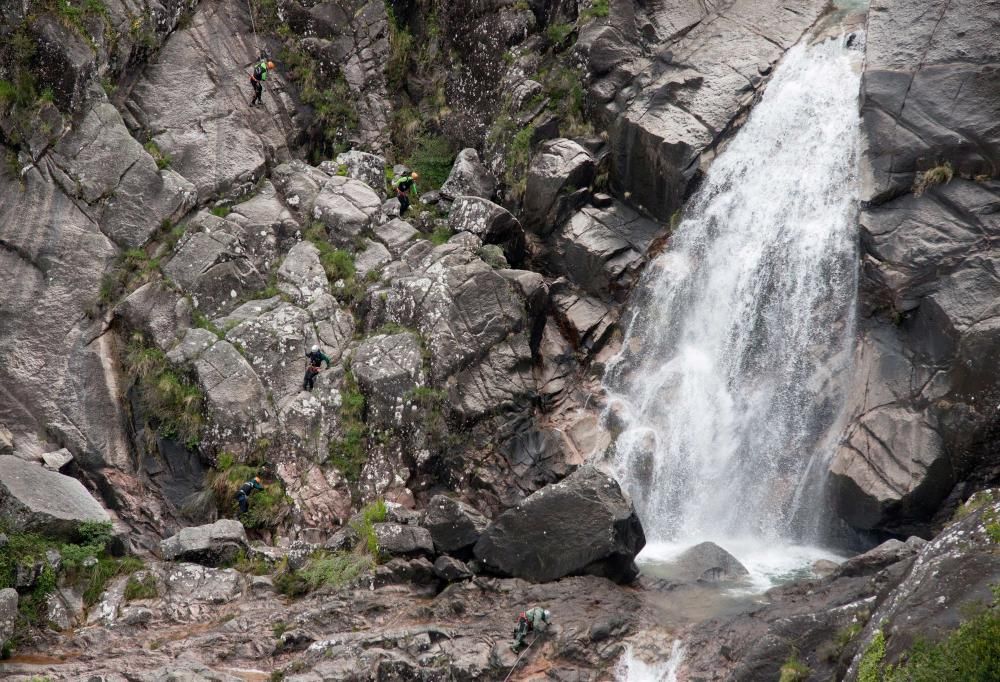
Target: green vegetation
x=335, y=569
x=221, y=211
x=134, y=268
x=162, y=160
x=441, y=235
x=141, y=587
x=255, y=566
x=171, y=400
x=557, y=33
x=432, y=157
x=976, y=502
x=794, y=670
x=200, y=320
x=597, y=10
x=323, y=569
x=350, y=452
x=338, y=264
x=938, y=175
x=267, y=507
x=870, y=667
x=85, y=564
x=400, y=49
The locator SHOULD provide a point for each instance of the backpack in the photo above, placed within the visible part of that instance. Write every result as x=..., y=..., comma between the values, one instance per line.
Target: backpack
x=260, y=71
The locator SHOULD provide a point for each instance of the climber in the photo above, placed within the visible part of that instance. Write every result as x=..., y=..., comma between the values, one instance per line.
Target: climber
x=258, y=77
x=535, y=619
x=404, y=184
x=243, y=494
x=316, y=359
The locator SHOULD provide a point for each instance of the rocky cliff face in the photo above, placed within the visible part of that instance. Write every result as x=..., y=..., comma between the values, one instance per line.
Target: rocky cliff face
x=923, y=432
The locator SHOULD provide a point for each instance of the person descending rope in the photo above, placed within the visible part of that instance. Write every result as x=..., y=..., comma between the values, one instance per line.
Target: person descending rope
x=404, y=184
x=258, y=77
x=535, y=619
x=243, y=494
x=316, y=359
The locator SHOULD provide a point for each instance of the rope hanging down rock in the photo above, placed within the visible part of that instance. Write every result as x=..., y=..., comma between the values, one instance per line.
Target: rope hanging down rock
x=514, y=667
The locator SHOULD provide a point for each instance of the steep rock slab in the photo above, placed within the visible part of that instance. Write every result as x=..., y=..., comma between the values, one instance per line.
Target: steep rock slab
x=34, y=498
x=671, y=104
x=502, y=381
x=560, y=167
x=109, y=170
x=928, y=287
x=583, y=524
x=52, y=258
x=389, y=368
x=193, y=101
x=211, y=545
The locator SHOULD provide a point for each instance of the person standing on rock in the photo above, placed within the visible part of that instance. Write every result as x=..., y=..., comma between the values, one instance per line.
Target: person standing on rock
x=316, y=359
x=243, y=494
x=404, y=184
x=258, y=77
x=535, y=619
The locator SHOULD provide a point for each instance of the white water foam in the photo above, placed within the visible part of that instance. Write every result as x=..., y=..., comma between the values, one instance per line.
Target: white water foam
x=728, y=389
x=630, y=668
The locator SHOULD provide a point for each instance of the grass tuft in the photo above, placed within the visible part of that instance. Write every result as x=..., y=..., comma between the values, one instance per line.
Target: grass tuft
x=939, y=175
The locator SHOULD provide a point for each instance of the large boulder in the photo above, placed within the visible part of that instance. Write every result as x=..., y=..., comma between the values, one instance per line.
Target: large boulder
x=346, y=207
x=493, y=224
x=212, y=545
x=397, y=539
x=453, y=524
x=157, y=310
x=468, y=177
x=368, y=168
x=301, y=274
x=706, y=562
x=581, y=525
x=36, y=499
x=559, y=168
x=212, y=268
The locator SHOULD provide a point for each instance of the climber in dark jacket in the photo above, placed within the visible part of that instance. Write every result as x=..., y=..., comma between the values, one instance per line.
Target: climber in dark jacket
x=258, y=77
x=404, y=184
x=316, y=359
x=243, y=494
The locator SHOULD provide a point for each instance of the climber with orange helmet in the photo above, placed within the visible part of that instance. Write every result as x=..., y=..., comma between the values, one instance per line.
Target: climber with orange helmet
x=258, y=77
x=243, y=494
x=404, y=184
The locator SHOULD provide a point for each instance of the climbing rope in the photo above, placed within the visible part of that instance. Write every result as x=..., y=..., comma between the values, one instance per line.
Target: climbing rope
x=514, y=667
x=253, y=27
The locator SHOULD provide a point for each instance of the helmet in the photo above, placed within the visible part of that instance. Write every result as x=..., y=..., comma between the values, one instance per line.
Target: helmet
x=546, y=614
x=415, y=175
x=314, y=349
x=270, y=65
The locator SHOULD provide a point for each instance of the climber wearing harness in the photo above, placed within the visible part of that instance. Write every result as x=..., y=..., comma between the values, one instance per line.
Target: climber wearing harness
x=535, y=619
x=404, y=184
x=258, y=77
x=243, y=494
x=316, y=359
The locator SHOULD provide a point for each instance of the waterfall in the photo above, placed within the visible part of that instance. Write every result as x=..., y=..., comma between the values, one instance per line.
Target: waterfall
x=730, y=376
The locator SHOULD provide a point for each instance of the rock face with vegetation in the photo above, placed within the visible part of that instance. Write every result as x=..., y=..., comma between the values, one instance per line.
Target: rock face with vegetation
x=168, y=255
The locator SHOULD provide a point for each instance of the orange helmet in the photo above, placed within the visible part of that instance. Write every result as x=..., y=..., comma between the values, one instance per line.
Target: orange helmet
x=415, y=175
x=270, y=65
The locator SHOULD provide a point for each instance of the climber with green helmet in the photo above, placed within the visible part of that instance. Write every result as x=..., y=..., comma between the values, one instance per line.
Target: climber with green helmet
x=243, y=494
x=258, y=77
x=404, y=184
x=535, y=619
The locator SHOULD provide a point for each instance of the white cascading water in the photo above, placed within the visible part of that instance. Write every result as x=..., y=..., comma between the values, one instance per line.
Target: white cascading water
x=729, y=380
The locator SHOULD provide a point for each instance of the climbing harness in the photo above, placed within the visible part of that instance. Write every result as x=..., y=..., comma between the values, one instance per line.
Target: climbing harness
x=514, y=667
